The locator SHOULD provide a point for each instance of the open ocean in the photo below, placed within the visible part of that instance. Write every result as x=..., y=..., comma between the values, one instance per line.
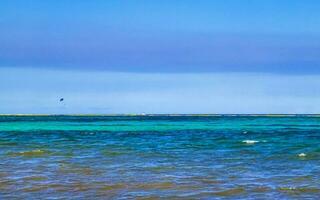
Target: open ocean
x=159, y=157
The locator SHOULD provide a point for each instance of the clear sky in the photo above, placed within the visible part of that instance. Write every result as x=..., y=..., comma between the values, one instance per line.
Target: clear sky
x=168, y=56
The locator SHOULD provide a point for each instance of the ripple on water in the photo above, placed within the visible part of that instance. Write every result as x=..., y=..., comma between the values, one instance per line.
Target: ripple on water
x=5, y=184
x=204, y=180
x=261, y=189
x=53, y=187
x=110, y=153
x=306, y=178
x=230, y=192
x=140, y=186
x=148, y=198
x=113, y=187
x=69, y=168
x=299, y=190
x=160, y=168
x=8, y=144
x=224, y=193
x=32, y=153
x=35, y=178
x=156, y=186
x=43, y=187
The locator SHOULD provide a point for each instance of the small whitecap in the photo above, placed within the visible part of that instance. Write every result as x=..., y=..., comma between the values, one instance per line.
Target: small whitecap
x=302, y=155
x=250, y=141
x=245, y=132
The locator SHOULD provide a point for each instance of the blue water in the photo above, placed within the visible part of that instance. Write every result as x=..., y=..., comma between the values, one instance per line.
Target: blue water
x=159, y=157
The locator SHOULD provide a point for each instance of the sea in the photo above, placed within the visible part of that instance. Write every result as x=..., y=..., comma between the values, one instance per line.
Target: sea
x=160, y=157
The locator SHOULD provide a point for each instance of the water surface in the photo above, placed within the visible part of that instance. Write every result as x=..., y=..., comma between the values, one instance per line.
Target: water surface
x=154, y=157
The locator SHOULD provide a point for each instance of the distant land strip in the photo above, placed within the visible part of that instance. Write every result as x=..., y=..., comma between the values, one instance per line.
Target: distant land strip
x=173, y=115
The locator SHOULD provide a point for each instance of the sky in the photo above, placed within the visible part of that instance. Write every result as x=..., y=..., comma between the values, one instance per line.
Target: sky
x=169, y=56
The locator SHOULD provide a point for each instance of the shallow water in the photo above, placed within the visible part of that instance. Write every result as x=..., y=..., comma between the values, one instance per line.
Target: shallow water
x=154, y=157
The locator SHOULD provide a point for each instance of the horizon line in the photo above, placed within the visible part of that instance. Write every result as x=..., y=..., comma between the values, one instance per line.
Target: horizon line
x=167, y=114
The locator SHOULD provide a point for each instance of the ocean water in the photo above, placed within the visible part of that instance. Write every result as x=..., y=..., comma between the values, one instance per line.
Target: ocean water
x=159, y=157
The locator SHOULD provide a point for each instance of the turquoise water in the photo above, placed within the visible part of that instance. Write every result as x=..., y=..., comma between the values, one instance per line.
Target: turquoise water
x=154, y=157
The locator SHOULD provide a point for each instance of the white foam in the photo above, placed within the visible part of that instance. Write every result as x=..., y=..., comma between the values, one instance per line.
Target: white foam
x=250, y=141
x=302, y=155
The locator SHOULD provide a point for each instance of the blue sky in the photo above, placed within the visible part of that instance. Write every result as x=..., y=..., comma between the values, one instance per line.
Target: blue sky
x=184, y=56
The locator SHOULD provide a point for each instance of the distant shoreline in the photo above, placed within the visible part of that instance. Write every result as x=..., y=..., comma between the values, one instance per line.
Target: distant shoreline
x=168, y=115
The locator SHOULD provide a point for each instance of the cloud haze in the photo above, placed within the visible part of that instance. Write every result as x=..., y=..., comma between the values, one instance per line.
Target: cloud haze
x=110, y=92
x=166, y=36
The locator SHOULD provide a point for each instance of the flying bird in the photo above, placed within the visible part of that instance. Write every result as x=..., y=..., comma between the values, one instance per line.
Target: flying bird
x=61, y=99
